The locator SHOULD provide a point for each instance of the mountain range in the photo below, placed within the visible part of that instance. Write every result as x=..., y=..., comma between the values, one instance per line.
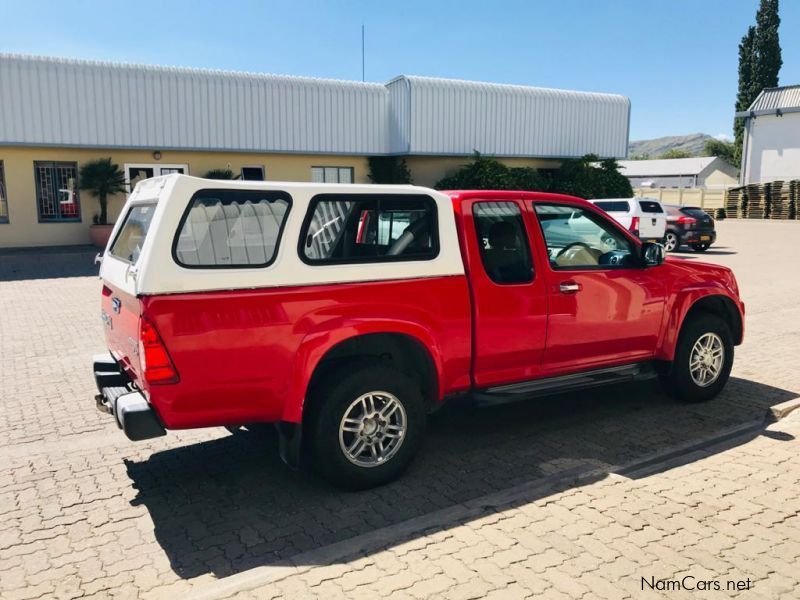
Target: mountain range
x=693, y=143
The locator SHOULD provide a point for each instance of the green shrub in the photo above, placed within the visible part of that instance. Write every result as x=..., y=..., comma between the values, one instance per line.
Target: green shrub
x=388, y=169
x=587, y=177
x=530, y=179
x=481, y=173
x=484, y=173
x=219, y=174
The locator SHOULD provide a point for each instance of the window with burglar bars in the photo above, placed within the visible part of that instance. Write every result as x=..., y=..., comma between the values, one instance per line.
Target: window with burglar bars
x=3, y=197
x=57, y=197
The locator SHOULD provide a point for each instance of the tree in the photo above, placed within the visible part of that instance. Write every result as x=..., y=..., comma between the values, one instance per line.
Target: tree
x=724, y=150
x=676, y=153
x=744, y=96
x=767, y=46
x=642, y=156
x=219, y=174
x=759, y=63
x=615, y=184
x=102, y=178
x=388, y=169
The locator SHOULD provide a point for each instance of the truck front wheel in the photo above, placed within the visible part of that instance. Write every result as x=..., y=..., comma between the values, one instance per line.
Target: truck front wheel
x=703, y=359
x=366, y=426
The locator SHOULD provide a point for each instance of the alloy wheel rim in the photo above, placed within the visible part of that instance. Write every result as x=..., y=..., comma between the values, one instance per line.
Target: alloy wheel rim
x=706, y=359
x=672, y=242
x=372, y=429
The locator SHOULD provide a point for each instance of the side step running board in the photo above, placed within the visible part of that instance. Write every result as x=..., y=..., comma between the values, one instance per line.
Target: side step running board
x=563, y=383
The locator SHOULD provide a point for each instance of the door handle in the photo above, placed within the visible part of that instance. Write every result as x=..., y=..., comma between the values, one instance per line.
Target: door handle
x=569, y=287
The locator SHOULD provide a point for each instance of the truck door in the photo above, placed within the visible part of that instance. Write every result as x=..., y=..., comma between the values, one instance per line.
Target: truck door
x=508, y=294
x=604, y=308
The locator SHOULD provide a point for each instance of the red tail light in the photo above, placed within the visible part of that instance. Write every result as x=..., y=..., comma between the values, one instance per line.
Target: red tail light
x=156, y=363
x=687, y=220
x=634, y=228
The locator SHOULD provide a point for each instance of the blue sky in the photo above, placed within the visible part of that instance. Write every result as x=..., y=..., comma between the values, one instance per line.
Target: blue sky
x=675, y=59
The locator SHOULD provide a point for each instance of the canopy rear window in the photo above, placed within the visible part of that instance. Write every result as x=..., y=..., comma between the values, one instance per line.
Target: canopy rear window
x=129, y=241
x=231, y=228
x=650, y=206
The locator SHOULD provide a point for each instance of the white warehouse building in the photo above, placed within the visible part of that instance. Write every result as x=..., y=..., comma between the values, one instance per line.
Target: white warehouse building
x=771, y=146
x=57, y=114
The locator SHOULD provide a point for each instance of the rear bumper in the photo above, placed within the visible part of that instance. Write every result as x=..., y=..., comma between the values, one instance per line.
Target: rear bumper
x=127, y=405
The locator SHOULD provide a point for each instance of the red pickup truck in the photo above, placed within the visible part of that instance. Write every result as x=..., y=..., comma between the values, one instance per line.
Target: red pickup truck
x=344, y=314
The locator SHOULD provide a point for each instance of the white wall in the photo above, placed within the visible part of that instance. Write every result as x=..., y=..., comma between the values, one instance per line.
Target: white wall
x=772, y=149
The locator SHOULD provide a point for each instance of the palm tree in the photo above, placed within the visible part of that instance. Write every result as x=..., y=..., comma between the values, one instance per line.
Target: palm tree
x=102, y=178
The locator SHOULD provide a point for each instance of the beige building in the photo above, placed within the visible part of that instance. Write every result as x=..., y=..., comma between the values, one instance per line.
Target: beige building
x=56, y=115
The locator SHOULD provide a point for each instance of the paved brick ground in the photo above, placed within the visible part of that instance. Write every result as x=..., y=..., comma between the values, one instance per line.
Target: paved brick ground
x=728, y=515
x=85, y=512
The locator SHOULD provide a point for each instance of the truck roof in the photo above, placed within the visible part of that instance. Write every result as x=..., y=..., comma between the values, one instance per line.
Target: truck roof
x=458, y=195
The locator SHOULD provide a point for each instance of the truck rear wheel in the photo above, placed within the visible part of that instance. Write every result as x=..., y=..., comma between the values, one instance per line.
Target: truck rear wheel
x=365, y=426
x=703, y=359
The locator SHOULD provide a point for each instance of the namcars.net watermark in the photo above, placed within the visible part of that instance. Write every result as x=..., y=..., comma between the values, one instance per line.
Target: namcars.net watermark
x=691, y=583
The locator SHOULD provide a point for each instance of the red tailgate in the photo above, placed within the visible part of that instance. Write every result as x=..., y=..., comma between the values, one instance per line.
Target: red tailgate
x=120, y=313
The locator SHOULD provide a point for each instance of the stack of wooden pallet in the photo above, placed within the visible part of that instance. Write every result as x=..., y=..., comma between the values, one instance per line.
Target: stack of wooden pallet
x=732, y=201
x=774, y=200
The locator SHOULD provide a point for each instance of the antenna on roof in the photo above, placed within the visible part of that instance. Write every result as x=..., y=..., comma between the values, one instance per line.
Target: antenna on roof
x=362, y=52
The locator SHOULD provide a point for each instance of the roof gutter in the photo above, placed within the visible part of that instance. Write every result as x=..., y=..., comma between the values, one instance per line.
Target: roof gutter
x=778, y=112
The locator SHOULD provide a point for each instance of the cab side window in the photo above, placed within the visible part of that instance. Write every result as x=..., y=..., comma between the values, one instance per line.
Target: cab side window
x=577, y=239
x=368, y=228
x=503, y=244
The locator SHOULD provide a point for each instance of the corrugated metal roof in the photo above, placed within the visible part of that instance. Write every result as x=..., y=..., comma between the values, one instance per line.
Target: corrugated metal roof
x=48, y=101
x=777, y=98
x=665, y=167
x=86, y=103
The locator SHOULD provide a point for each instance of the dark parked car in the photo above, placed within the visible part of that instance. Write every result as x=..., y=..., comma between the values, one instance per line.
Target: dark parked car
x=690, y=226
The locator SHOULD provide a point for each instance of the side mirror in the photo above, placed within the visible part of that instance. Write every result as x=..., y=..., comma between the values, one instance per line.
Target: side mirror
x=652, y=254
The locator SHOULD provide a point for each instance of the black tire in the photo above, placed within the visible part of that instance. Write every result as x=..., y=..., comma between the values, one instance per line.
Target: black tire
x=672, y=242
x=333, y=397
x=700, y=247
x=679, y=382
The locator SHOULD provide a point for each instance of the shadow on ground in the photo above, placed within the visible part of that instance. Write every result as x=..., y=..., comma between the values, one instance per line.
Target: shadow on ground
x=228, y=505
x=711, y=252
x=18, y=264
